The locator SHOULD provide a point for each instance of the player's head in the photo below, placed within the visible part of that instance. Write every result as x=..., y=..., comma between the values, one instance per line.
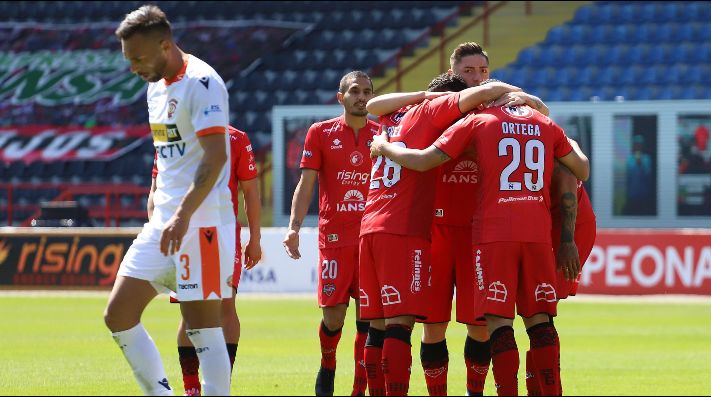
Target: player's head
x=447, y=82
x=146, y=41
x=471, y=62
x=354, y=92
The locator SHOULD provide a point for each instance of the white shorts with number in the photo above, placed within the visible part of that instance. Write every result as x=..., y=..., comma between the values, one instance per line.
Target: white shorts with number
x=201, y=270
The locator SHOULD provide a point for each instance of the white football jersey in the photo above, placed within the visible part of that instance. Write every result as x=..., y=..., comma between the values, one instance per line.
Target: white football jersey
x=193, y=105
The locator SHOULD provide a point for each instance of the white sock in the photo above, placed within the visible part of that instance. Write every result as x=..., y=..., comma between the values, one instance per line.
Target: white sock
x=144, y=359
x=214, y=361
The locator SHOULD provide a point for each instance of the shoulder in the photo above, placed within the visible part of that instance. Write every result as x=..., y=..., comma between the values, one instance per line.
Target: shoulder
x=326, y=126
x=199, y=71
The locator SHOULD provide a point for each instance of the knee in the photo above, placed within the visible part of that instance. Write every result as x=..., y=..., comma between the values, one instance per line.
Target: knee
x=332, y=323
x=112, y=320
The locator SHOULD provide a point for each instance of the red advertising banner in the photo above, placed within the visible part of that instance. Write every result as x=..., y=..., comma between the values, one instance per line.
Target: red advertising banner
x=643, y=261
x=49, y=143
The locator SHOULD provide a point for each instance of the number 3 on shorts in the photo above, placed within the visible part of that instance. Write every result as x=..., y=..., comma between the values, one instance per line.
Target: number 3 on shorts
x=185, y=262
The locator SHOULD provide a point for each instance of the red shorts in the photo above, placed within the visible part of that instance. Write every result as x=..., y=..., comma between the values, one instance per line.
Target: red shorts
x=452, y=266
x=584, y=239
x=394, y=276
x=337, y=275
x=518, y=278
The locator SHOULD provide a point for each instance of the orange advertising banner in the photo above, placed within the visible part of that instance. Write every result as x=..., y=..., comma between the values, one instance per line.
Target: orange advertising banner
x=644, y=261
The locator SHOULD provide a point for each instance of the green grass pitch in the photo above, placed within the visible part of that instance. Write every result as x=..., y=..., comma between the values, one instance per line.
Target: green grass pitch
x=58, y=345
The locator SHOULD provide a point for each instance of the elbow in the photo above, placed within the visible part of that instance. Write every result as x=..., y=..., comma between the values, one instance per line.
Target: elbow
x=585, y=171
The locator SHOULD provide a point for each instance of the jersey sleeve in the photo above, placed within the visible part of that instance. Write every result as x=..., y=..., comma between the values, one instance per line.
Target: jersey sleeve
x=562, y=145
x=444, y=110
x=209, y=97
x=457, y=138
x=312, y=156
x=245, y=166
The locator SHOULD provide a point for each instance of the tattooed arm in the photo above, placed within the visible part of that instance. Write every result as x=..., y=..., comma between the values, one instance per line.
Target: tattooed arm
x=567, y=258
x=211, y=164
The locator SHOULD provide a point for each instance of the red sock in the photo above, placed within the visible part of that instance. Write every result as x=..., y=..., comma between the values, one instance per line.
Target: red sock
x=534, y=389
x=397, y=360
x=374, y=362
x=477, y=357
x=435, y=363
x=190, y=365
x=360, y=378
x=544, y=352
x=560, y=379
x=505, y=361
x=329, y=343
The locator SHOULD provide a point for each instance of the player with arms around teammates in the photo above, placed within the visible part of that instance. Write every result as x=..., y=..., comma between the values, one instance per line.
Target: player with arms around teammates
x=336, y=153
x=188, y=245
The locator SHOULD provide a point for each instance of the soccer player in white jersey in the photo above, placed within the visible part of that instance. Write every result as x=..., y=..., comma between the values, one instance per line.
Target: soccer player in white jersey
x=188, y=246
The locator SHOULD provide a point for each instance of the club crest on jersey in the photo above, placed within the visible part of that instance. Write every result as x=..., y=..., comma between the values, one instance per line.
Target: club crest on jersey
x=332, y=238
x=329, y=289
x=356, y=159
x=521, y=112
x=172, y=105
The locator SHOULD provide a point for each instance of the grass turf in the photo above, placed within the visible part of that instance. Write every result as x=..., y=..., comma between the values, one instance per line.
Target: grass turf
x=54, y=345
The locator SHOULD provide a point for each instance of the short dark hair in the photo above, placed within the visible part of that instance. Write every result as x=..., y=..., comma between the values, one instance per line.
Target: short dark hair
x=345, y=80
x=447, y=82
x=147, y=19
x=466, y=49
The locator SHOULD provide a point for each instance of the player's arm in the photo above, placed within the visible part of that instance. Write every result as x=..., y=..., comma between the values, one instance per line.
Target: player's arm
x=473, y=97
x=522, y=98
x=299, y=207
x=211, y=164
x=151, y=206
x=388, y=103
x=414, y=159
x=568, y=259
x=577, y=162
x=253, y=209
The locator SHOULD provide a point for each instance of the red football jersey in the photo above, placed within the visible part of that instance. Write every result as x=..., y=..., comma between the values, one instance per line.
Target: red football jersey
x=343, y=169
x=585, y=209
x=456, y=190
x=242, y=164
x=515, y=148
x=401, y=201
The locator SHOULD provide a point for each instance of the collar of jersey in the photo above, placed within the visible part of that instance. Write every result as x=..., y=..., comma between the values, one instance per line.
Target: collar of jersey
x=178, y=76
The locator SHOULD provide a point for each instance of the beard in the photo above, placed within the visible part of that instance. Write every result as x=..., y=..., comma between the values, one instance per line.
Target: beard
x=359, y=113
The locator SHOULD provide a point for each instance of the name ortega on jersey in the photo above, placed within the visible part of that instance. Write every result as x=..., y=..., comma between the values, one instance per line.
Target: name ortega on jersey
x=167, y=133
x=464, y=172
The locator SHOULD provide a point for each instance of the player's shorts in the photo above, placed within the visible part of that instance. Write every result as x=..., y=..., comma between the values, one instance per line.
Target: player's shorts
x=453, y=269
x=394, y=276
x=584, y=239
x=518, y=278
x=337, y=275
x=201, y=270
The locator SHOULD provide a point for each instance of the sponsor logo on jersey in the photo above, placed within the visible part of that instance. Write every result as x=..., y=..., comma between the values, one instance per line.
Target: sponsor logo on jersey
x=389, y=295
x=353, y=201
x=356, y=158
x=503, y=200
x=416, y=284
x=252, y=167
x=545, y=292
x=521, y=112
x=479, y=271
x=248, y=148
x=464, y=172
x=329, y=289
x=212, y=109
x=332, y=238
x=165, y=133
x=172, y=105
x=497, y=292
x=333, y=128
x=308, y=154
x=188, y=286
x=170, y=151
x=337, y=144
x=205, y=81
x=353, y=178
x=439, y=212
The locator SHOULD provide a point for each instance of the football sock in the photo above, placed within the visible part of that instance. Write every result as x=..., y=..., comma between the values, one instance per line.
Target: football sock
x=374, y=362
x=477, y=357
x=189, y=365
x=397, y=359
x=144, y=359
x=435, y=363
x=360, y=378
x=505, y=361
x=544, y=352
x=215, y=362
x=532, y=386
x=329, y=342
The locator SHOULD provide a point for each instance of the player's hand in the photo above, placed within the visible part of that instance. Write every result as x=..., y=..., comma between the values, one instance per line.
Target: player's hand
x=432, y=95
x=252, y=254
x=172, y=235
x=291, y=244
x=377, y=144
x=509, y=99
x=568, y=260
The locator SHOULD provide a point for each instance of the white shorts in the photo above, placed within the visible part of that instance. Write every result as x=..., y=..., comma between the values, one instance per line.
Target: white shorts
x=201, y=270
